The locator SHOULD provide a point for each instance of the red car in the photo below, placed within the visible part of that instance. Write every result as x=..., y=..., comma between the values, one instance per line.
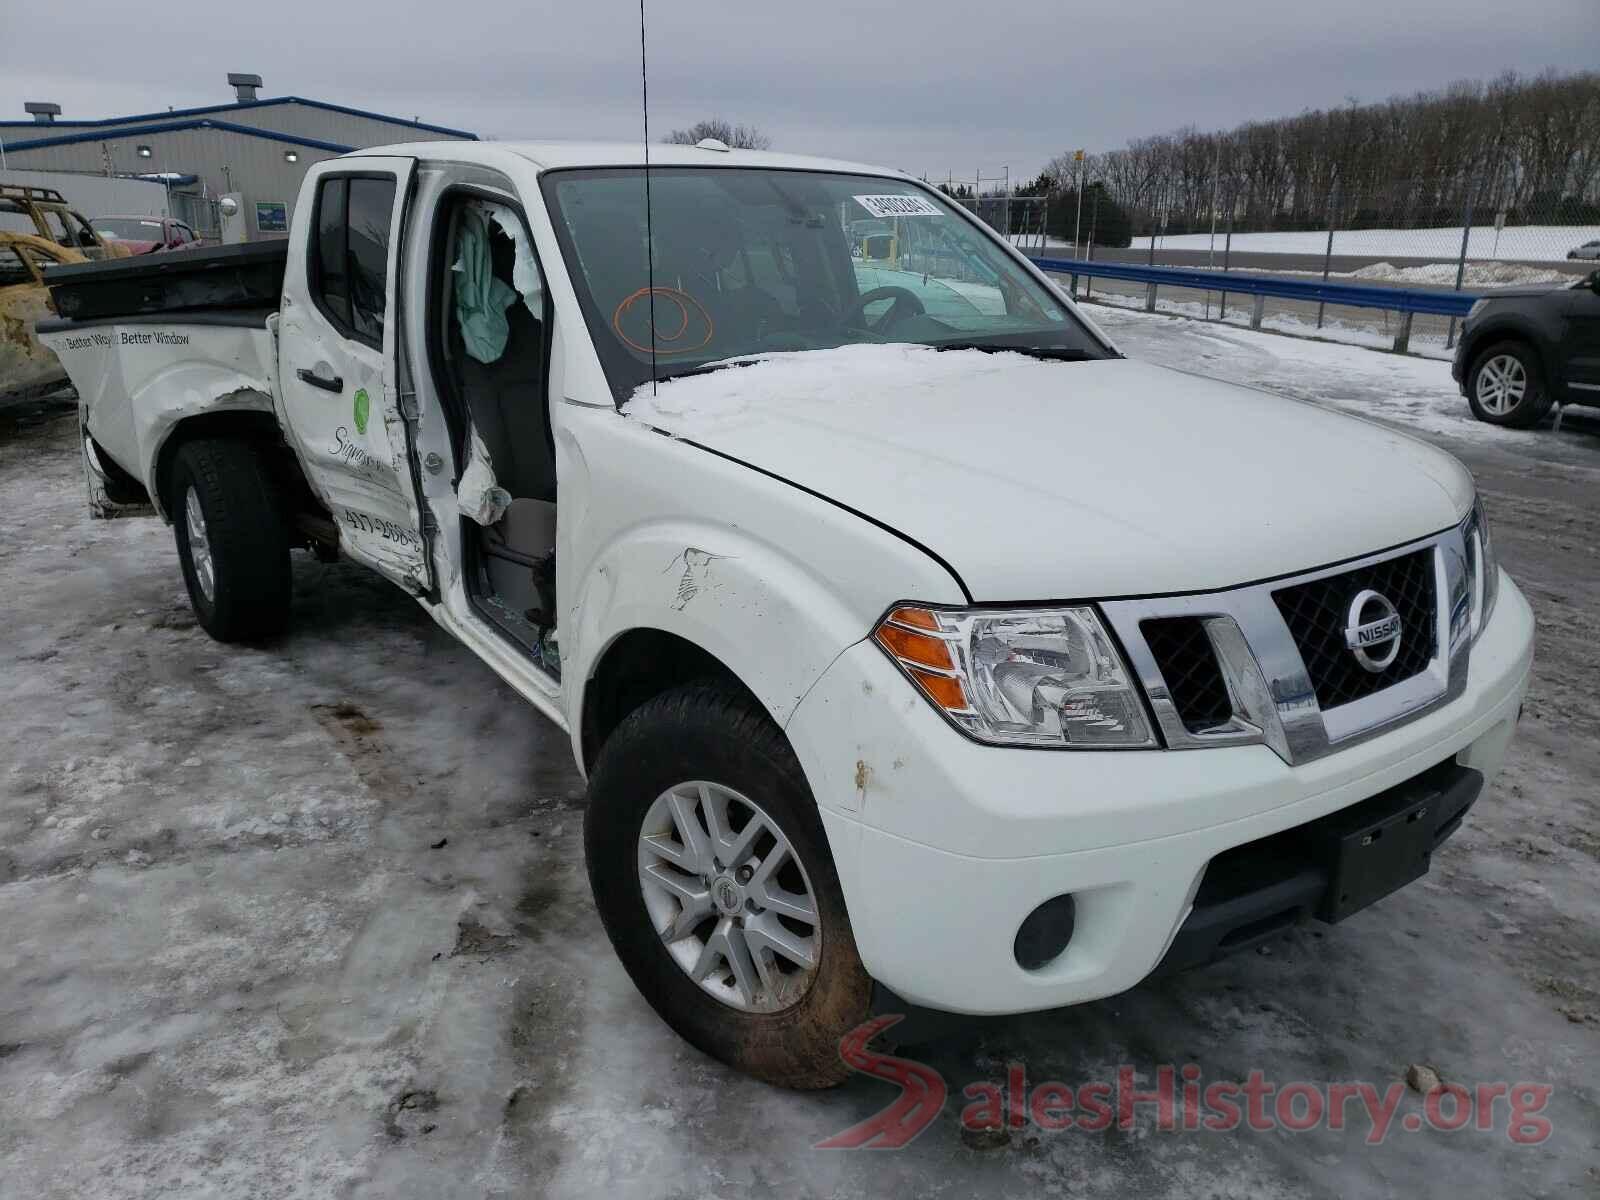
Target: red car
x=147, y=235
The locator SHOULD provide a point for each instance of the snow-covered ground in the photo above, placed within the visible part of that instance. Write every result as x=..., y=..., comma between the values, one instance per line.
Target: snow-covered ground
x=310, y=920
x=1413, y=391
x=1548, y=243
x=1473, y=274
x=1478, y=273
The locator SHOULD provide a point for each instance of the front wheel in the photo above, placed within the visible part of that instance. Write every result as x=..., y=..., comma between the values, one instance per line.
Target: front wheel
x=232, y=540
x=1505, y=386
x=712, y=875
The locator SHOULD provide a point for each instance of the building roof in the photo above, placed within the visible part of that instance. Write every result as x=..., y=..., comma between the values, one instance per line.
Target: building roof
x=238, y=105
x=121, y=132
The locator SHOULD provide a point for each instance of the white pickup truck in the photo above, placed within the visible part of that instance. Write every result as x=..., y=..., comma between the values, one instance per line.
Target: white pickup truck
x=920, y=650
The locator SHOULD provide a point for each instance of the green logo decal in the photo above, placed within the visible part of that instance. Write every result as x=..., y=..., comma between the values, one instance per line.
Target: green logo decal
x=362, y=408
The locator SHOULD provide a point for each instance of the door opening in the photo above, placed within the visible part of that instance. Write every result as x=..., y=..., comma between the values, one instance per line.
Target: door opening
x=494, y=356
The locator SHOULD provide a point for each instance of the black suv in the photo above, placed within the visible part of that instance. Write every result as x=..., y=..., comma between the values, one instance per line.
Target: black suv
x=1524, y=349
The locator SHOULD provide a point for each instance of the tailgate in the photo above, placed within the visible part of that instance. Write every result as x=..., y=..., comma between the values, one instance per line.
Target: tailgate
x=246, y=276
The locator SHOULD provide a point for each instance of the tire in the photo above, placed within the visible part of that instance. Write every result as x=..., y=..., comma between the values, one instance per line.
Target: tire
x=1492, y=382
x=243, y=530
x=709, y=734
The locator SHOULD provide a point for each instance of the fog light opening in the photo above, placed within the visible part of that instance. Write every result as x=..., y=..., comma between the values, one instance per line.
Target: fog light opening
x=1045, y=933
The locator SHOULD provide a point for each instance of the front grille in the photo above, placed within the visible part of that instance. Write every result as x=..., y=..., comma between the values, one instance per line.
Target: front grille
x=1316, y=613
x=1189, y=668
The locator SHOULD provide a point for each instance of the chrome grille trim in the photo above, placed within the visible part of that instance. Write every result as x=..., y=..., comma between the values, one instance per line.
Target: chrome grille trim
x=1271, y=693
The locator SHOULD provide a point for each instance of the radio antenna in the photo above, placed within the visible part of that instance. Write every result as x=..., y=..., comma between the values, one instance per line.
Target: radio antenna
x=649, y=229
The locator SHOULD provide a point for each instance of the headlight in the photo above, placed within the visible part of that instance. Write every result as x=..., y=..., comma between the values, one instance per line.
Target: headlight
x=1020, y=677
x=1477, y=307
x=1483, y=571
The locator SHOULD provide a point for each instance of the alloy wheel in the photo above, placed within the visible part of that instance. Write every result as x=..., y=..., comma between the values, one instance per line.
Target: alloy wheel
x=1502, y=383
x=199, y=547
x=728, y=897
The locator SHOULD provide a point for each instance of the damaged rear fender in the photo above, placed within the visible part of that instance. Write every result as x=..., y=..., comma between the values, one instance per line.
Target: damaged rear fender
x=245, y=411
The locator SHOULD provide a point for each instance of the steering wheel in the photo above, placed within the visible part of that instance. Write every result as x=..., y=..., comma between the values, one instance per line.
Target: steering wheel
x=906, y=304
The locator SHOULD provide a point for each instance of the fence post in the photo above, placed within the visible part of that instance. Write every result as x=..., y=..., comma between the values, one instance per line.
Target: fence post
x=1227, y=247
x=1150, y=297
x=1461, y=266
x=1155, y=219
x=1402, y=339
x=1094, y=225
x=1327, y=255
x=1074, y=285
x=1255, y=313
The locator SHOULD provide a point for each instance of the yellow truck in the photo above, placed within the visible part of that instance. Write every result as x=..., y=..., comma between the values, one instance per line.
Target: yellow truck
x=45, y=213
x=27, y=367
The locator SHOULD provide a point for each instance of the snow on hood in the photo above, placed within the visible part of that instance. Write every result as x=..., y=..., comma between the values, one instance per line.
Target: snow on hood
x=802, y=378
x=1058, y=480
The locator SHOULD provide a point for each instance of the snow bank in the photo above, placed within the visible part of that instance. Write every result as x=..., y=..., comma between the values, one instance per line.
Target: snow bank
x=1540, y=243
x=801, y=378
x=1476, y=275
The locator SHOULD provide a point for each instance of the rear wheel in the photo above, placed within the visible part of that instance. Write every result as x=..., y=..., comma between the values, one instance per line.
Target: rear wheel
x=232, y=540
x=712, y=875
x=1505, y=386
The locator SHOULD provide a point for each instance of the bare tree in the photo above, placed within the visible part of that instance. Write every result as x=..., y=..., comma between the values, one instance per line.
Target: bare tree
x=740, y=137
x=1529, y=146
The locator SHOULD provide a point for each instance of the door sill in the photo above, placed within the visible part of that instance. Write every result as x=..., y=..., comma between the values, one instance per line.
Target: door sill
x=504, y=656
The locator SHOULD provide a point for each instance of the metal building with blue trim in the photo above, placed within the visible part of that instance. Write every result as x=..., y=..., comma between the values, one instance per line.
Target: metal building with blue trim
x=256, y=150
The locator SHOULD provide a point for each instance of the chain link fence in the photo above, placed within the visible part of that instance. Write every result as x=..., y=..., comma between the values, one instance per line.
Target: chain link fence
x=1483, y=231
x=1020, y=218
x=1403, y=231
x=1479, y=234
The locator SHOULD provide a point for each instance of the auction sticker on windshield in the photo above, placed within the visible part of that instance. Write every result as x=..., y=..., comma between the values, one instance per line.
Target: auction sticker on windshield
x=898, y=206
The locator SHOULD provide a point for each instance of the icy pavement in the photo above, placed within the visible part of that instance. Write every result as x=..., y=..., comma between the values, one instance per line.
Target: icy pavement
x=312, y=921
x=1409, y=391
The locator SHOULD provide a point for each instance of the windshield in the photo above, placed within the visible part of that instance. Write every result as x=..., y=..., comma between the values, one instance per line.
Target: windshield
x=129, y=229
x=752, y=261
x=15, y=219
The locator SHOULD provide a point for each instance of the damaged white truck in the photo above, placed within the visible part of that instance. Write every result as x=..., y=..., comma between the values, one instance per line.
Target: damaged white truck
x=921, y=651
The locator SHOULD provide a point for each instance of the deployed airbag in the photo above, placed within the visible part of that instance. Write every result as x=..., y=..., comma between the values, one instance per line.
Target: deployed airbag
x=481, y=298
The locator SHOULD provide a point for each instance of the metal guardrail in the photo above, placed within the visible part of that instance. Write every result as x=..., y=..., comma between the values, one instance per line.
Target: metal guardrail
x=1406, y=301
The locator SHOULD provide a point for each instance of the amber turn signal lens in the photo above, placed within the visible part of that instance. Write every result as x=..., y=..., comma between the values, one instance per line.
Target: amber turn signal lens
x=944, y=690
x=917, y=618
x=915, y=648
x=925, y=656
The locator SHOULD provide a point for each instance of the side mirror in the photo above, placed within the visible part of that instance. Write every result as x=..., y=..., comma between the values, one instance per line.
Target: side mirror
x=1594, y=282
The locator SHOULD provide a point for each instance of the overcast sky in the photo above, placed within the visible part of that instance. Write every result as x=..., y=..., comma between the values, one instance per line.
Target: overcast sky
x=929, y=86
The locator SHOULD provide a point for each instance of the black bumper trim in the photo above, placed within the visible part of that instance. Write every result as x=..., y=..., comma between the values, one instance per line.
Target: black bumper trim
x=1254, y=891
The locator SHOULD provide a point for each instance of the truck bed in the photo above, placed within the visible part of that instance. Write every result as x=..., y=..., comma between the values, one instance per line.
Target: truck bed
x=139, y=375
x=247, y=276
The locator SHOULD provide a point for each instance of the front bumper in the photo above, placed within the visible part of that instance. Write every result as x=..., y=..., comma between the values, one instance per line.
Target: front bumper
x=944, y=846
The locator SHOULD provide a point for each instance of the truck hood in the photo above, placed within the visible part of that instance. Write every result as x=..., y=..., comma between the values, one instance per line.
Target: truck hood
x=1043, y=480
